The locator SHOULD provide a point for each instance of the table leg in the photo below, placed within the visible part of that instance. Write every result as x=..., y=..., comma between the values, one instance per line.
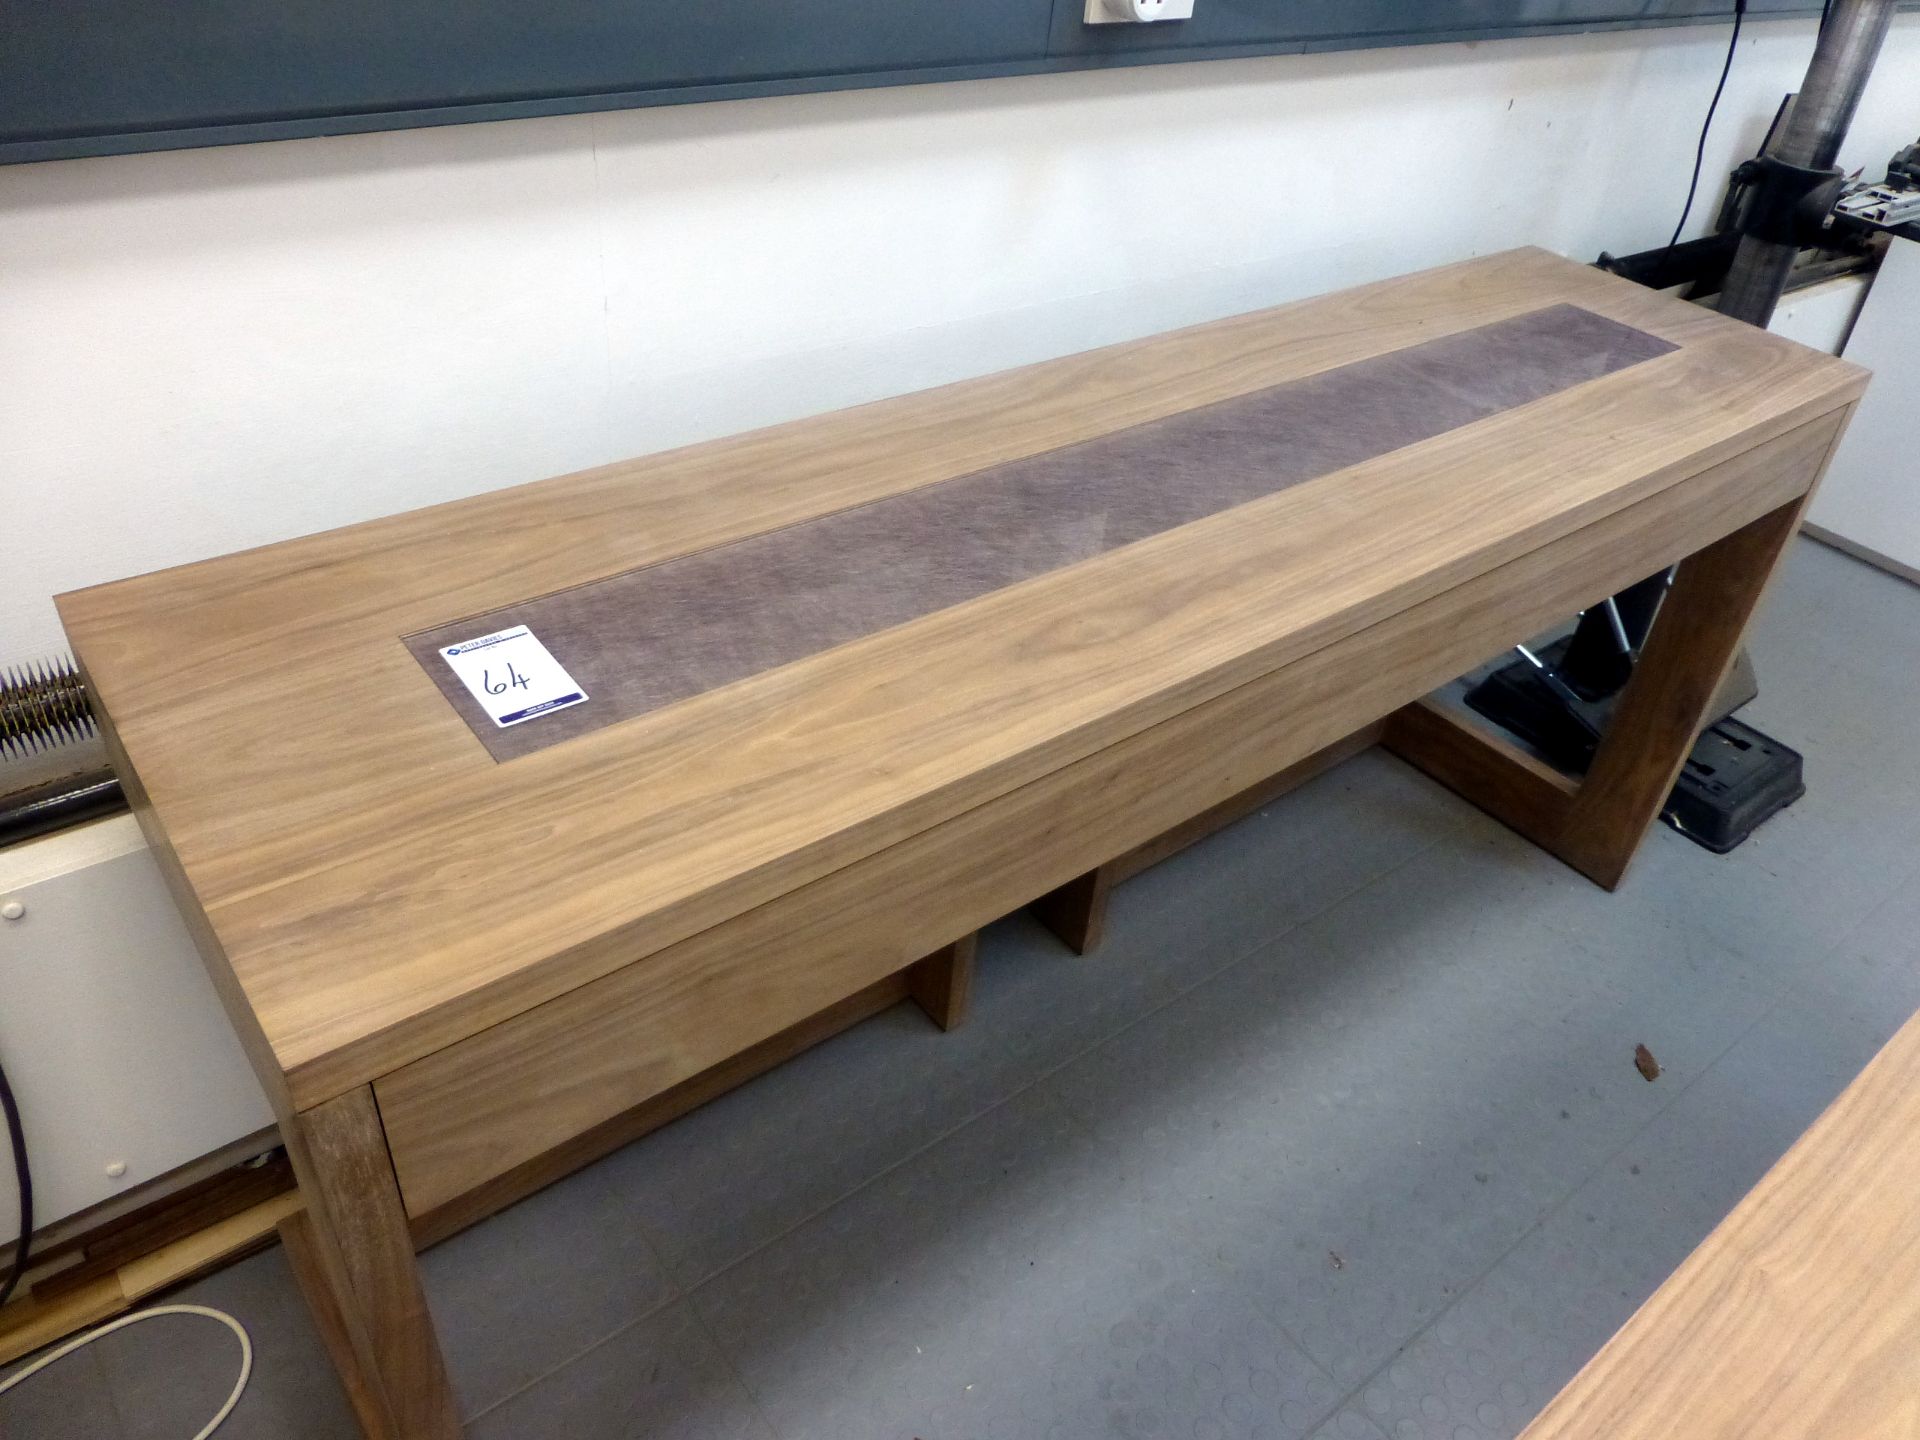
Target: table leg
x=353, y=1256
x=1077, y=911
x=942, y=983
x=1597, y=825
x=1667, y=702
x=309, y=1270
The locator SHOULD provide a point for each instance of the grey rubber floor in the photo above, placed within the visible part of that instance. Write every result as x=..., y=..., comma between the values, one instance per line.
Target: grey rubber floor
x=1339, y=1136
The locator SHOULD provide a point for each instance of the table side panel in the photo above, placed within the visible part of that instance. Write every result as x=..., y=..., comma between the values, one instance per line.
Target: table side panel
x=474, y=1110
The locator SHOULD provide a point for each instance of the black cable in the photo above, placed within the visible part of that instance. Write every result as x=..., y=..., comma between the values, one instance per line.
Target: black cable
x=1700, y=152
x=23, y=1176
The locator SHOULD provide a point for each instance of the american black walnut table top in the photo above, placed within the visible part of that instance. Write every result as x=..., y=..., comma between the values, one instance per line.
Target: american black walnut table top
x=676, y=628
x=810, y=642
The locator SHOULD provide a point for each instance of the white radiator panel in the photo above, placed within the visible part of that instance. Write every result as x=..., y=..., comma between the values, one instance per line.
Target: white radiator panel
x=1870, y=502
x=117, y=1048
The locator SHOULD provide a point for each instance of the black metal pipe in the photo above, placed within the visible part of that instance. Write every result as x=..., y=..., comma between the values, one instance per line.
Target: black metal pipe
x=23, y=1185
x=1808, y=137
x=42, y=809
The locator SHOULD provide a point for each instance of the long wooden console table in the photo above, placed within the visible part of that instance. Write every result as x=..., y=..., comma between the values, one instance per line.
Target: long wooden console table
x=857, y=685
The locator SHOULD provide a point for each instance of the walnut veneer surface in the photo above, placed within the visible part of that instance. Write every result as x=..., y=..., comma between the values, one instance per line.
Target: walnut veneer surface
x=370, y=885
x=642, y=640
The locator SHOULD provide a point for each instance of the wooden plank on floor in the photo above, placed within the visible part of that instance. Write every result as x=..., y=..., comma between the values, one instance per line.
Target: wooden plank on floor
x=34, y=1322
x=1480, y=763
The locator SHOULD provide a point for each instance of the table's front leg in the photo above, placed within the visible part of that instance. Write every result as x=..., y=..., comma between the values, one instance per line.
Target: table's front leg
x=1597, y=824
x=353, y=1256
x=1665, y=705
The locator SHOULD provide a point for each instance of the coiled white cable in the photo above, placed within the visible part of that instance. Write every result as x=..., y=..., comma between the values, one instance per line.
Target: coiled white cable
x=62, y=1351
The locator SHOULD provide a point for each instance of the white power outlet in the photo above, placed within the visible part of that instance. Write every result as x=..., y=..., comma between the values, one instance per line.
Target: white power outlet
x=1134, y=12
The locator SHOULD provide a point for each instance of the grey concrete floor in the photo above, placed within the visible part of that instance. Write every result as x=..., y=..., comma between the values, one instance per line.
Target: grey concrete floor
x=1339, y=1136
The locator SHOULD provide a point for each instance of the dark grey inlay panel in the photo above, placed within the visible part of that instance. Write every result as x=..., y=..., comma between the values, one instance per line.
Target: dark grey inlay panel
x=646, y=638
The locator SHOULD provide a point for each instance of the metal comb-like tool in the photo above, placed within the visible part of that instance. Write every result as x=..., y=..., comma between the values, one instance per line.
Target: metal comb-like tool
x=42, y=704
x=53, y=772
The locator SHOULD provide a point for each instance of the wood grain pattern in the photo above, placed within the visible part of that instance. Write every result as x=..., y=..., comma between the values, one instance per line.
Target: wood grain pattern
x=1076, y=912
x=1665, y=705
x=1798, y=1317
x=459, y=978
x=1485, y=767
x=357, y=1268
x=942, y=983
x=646, y=639
x=568, y=1154
x=944, y=996
x=1597, y=824
x=365, y=1395
x=377, y=888
x=476, y=1108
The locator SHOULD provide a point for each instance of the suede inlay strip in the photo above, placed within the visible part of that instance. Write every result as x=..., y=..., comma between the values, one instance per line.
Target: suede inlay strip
x=649, y=637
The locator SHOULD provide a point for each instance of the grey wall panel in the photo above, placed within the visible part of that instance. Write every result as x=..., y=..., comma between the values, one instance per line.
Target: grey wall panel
x=1351, y=24
x=103, y=66
x=89, y=77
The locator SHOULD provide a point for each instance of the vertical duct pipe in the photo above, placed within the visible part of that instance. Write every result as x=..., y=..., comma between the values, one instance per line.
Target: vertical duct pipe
x=1816, y=125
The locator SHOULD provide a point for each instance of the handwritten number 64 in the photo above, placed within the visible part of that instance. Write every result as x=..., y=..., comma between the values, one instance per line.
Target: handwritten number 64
x=514, y=680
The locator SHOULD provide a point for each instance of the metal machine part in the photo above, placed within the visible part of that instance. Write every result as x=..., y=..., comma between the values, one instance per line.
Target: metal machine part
x=1790, y=197
x=1799, y=158
x=1734, y=779
x=1891, y=205
x=1779, y=202
x=44, y=715
x=1880, y=206
x=42, y=704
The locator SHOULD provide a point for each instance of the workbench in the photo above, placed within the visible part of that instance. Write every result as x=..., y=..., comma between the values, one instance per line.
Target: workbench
x=857, y=685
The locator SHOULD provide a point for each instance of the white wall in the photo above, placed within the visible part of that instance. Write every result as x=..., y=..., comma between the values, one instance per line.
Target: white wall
x=216, y=348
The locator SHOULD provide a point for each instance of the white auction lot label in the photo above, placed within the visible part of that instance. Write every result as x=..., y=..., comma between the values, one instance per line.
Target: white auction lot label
x=513, y=676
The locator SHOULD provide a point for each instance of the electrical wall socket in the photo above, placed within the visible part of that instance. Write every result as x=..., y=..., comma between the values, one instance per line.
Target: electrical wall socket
x=1135, y=12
